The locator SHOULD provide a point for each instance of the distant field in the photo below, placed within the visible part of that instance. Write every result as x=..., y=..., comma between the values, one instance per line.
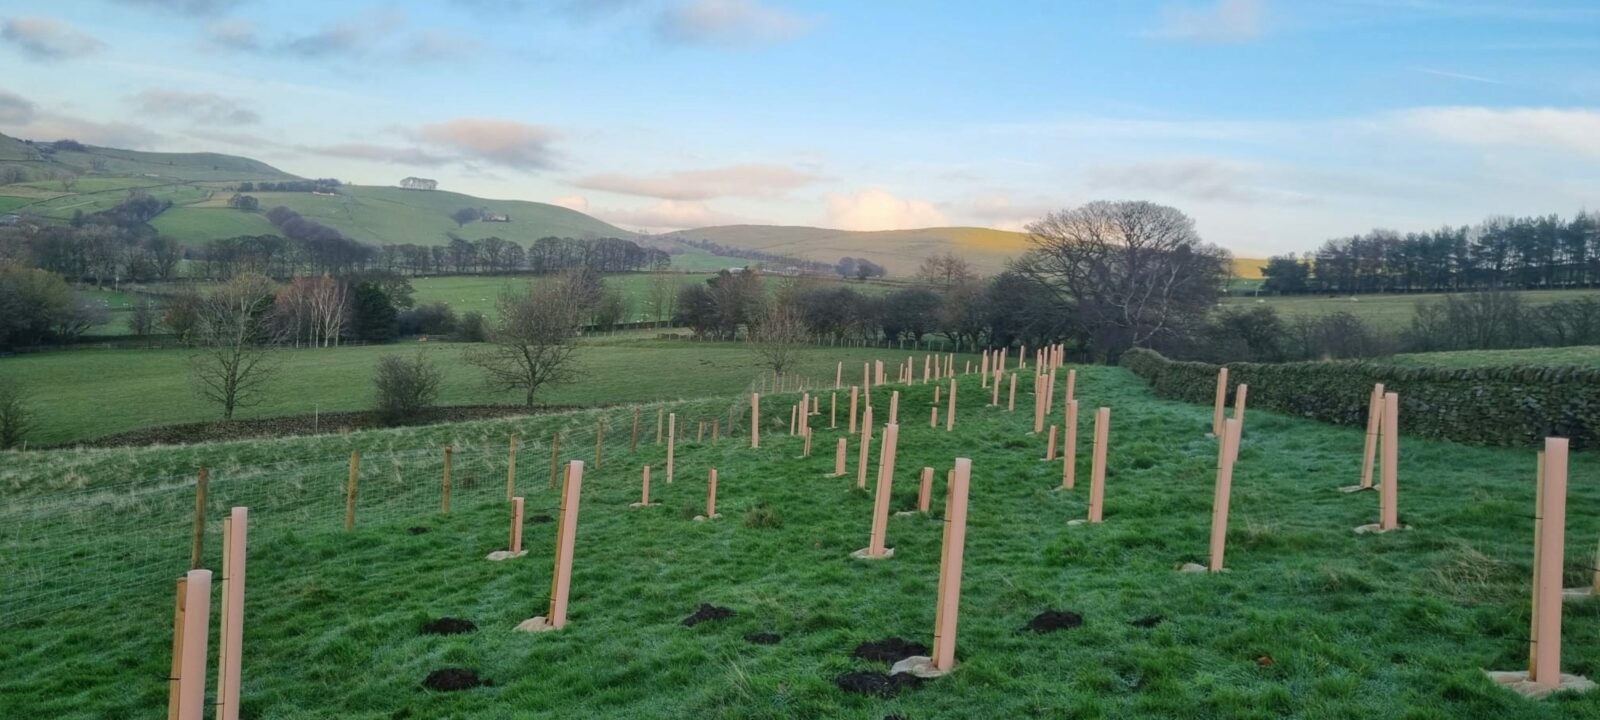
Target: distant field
x=1585, y=355
x=468, y=293
x=1390, y=311
x=1248, y=268
x=196, y=225
x=89, y=393
x=901, y=251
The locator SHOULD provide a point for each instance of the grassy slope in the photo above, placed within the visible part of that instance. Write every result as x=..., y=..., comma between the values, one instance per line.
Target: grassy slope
x=382, y=215
x=89, y=393
x=1354, y=626
x=1585, y=355
x=901, y=251
x=1391, y=311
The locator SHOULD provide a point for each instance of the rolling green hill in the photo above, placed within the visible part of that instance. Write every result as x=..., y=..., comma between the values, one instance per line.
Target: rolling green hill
x=382, y=215
x=900, y=251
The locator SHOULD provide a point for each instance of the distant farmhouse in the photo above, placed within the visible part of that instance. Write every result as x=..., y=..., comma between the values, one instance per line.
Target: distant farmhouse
x=416, y=183
x=495, y=217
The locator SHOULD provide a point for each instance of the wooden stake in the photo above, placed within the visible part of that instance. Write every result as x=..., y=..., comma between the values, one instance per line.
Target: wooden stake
x=755, y=420
x=1011, y=404
x=711, y=495
x=838, y=459
x=194, y=617
x=566, y=536
x=1239, y=394
x=1072, y=386
x=933, y=419
x=1222, y=395
x=838, y=376
x=894, y=407
x=599, y=442
x=644, y=490
x=516, y=525
x=511, y=462
x=833, y=410
x=853, y=391
x=951, y=556
x=197, y=548
x=880, y=503
x=861, y=458
x=661, y=423
x=1374, y=422
x=1552, y=532
x=1226, y=453
x=350, y=490
x=1391, y=462
x=1097, y=476
x=925, y=492
x=444, y=501
x=1069, y=453
x=230, y=621
x=1050, y=448
x=672, y=442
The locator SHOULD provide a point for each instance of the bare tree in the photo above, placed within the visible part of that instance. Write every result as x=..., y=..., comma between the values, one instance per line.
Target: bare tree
x=406, y=388
x=945, y=269
x=532, y=342
x=663, y=296
x=780, y=335
x=1131, y=272
x=16, y=418
x=144, y=318
x=235, y=337
x=314, y=310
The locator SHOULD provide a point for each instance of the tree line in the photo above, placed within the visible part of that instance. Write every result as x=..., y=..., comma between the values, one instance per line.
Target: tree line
x=1501, y=252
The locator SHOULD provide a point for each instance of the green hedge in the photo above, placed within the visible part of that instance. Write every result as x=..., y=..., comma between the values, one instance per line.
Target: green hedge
x=1512, y=405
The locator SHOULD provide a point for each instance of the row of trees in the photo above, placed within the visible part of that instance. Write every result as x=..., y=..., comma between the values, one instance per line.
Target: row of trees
x=321, y=185
x=37, y=307
x=1501, y=252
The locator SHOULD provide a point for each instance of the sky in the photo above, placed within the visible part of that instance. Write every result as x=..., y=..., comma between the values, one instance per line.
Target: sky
x=1274, y=124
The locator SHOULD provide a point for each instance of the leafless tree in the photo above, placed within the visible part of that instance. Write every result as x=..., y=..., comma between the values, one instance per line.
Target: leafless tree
x=780, y=334
x=531, y=343
x=945, y=269
x=663, y=296
x=234, y=334
x=1132, y=272
x=313, y=310
x=406, y=388
x=145, y=316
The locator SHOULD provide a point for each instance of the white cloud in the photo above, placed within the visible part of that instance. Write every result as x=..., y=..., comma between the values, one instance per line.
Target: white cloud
x=762, y=181
x=1002, y=212
x=730, y=22
x=666, y=216
x=1202, y=178
x=1555, y=129
x=508, y=143
x=201, y=107
x=15, y=109
x=1226, y=21
x=879, y=210
x=572, y=202
x=46, y=39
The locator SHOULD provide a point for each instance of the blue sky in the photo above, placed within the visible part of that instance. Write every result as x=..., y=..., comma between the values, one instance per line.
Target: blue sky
x=1274, y=124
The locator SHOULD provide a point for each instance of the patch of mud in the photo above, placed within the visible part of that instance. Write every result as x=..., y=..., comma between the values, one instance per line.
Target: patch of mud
x=707, y=612
x=876, y=684
x=450, y=679
x=448, y=626
x=1053, y=620
x=889, y=650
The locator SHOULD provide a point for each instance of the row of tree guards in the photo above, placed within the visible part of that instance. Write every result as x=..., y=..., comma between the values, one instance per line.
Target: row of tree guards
x=1381, y=449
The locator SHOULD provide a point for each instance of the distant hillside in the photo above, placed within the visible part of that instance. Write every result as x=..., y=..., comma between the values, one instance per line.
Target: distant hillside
x=45, y=161
x=900, y=251
x=380, y=215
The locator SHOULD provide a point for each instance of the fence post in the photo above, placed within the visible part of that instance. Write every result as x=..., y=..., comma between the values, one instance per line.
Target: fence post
x=633, y=442
x=1239, y=394
x=444, y=496
x=672, y=442
x=1374, y=422
x=197, y=549
x=950, y=413
x=1226, y=455
x=516, y=525
x=350, y=490
x=1389, y=519
x=511, y=469
x=566, y=536
x=755, y=420
x=1011, y=402
x=833, y=411
x=661, y=417
x=1552, y=531
x=711, y=495
x=951, y=556
x=230, y=623
x=1069, y=453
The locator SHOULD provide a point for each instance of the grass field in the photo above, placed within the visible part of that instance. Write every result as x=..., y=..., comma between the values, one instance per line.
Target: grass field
x=89, y=393
x=1584, y=355
x=1388, y=311
x=1313, y=621
x=469, y=293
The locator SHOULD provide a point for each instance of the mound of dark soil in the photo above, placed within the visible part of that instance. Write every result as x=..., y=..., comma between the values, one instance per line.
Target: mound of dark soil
x=764, y=638
x=417, y=530
x=876, y=684
x=449, y=679
x=448, y=626
x=889, y=650
x=706, y=612
x=541, y=519
x=1053, y=620
x=1149, y=621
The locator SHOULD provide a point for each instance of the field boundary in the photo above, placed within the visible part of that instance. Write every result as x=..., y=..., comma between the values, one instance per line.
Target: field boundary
x=1517, y=405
